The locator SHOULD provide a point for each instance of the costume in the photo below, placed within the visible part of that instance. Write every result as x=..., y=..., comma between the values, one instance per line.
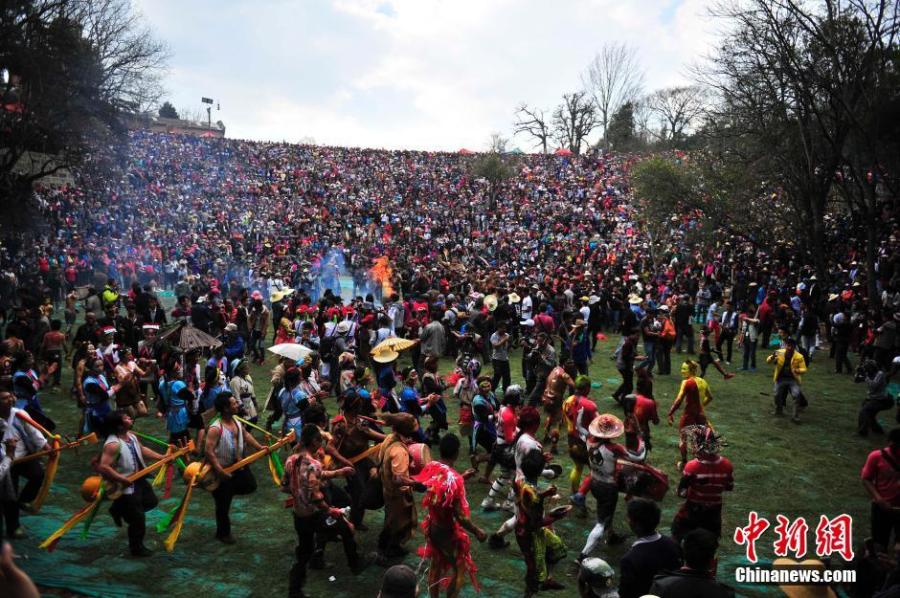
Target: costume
x=484, y=430
x=704, y=480
x=28, y=440
x=97, y=394
x=293, y=402
x=313, y=517
x=138, y=498
x=230, y=450
x=579, y=411
x=538, y=542
x=446, y=542
x=552, y=398
x=399, y=507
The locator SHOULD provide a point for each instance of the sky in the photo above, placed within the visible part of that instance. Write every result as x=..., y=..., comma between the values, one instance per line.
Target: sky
x=413, y=74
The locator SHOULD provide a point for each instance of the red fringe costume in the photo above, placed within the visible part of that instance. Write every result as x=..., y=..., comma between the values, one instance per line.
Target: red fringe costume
x=446, y=542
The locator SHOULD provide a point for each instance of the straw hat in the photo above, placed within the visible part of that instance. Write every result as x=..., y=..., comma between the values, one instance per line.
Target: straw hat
x=606, y=425
x=833, y=296
x=490, y=302
x=385, y=356
x=804, y=591
x=634, y=299
x=593, y=299
x=514, y=298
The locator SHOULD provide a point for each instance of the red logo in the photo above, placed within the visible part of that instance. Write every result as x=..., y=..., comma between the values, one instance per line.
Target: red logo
x=833, y=536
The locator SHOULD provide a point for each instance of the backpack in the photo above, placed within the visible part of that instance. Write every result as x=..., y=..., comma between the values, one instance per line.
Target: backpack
x=326, y=344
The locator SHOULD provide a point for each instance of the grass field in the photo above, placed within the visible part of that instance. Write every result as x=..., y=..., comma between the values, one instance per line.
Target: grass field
x=796, y=470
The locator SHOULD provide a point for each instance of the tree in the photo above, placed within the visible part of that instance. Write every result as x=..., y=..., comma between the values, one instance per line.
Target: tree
x=677, y=108
x=614, y=77
x=532, y=121
x=621, y=132
x=75, y=67
x=497, y=143
x=495, y=167
x=798, y=84
x=167, y=110
x=574, y=120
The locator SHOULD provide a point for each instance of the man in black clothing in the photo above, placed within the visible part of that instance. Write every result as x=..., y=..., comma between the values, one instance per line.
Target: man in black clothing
x=650, y=554
x=682, y=320
x=201, y=315
x=625, y=357
x=696, y=579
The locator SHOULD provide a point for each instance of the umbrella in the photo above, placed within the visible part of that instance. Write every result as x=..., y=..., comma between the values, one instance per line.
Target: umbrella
x=515, y=151
x=208, y=134
x=187, y=338
x=465, y=152
x=293, y=351
x=393, y=344
x=563, y=152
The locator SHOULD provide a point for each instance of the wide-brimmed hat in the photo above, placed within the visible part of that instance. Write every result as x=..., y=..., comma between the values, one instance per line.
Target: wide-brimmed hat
x=231, y=327
x=342, y=327
x=803, y=591
x=606, y=425
x=593, y=299
x=833, y=296
x=490, y=302
x=385, y=356
x=514, y=298
x=634, y=299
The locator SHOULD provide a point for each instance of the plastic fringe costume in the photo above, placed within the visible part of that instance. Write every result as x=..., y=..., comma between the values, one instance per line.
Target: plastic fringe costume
x=88, y=512
x=444, y=498
x=175, y=519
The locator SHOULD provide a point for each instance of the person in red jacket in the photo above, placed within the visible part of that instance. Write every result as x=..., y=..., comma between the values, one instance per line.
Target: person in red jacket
x=881, y=478
x=703, y=481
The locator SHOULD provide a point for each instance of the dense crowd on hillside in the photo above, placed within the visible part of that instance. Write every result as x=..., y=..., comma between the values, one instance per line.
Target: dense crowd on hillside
x=340, y=249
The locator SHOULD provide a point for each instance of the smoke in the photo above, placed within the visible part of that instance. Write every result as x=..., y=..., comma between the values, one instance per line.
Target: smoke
x=331, y=271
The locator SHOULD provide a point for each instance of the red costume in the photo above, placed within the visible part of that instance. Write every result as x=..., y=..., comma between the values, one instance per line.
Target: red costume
x=446, y=542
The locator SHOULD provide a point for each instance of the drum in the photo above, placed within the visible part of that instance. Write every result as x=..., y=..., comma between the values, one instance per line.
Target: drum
x=638, y=479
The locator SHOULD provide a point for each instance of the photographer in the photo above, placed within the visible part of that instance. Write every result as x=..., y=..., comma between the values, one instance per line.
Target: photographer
x=877, y=398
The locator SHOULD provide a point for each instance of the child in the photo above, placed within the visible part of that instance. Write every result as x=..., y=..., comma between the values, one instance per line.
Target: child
x=540, y=546
x=707, y=357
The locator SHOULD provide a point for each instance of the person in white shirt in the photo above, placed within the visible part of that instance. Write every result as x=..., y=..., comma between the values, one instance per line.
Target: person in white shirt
x=529, y=423
x=27, y=439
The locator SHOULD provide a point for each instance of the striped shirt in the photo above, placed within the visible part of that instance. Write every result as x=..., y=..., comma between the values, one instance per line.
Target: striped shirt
x=230, y=448
x=707, y=480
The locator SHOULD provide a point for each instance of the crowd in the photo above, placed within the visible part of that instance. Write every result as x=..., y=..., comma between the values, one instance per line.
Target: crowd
x=255, y=240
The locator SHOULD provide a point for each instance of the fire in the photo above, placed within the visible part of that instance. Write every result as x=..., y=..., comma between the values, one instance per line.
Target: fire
x=382, y=273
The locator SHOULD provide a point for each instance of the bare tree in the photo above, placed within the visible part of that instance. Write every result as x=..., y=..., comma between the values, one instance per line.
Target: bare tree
x=613, y=78
x=132, y=61
x=532, y=121
x=497, y=143
x=74, y=68
x=677, y=108
x=573, y=120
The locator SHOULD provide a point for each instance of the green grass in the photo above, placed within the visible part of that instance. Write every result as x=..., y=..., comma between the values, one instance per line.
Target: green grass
x=797, y=470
